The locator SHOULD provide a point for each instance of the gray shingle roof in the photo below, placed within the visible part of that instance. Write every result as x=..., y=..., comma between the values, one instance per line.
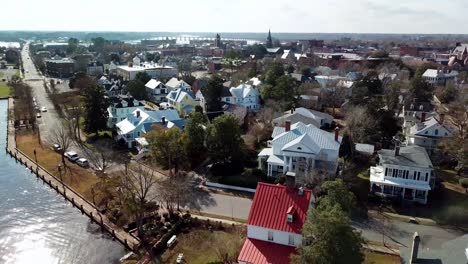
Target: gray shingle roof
x=412, y=156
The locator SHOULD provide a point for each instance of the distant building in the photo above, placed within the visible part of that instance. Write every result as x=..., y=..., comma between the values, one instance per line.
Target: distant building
x=60, y=68
x=95, y=68
x=218, y=42
x=439, y=77
x=155, y=71
x=269, y=41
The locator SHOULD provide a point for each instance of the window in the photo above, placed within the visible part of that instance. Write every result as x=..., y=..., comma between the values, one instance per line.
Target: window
x=419, y=175
x=414, y=176
x=290, y=218
x=400, y=173
x=436, y=132
x=386, y=171
x=291, y=240
x=270, y=235
x=406, y=174
x=427, y=176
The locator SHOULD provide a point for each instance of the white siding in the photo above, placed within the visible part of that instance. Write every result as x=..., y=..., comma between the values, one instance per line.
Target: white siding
x=279, y=237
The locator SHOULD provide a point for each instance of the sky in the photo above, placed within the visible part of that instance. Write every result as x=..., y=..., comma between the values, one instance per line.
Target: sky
x=304, y=16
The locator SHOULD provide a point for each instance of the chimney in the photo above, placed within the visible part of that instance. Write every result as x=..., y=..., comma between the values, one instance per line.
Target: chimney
x=441, y=118
x=423, y=116
x=415, y=248
x=287, y=125
x=163, y=120
x=337, y=133
x=138, y=114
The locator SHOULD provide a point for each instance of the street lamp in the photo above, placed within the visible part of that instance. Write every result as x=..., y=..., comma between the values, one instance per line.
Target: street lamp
x=60, y=174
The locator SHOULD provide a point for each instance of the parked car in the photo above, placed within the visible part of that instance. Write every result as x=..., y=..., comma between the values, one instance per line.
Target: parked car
x=82, y=162
x=72, y=156
x=43, y=109
x=38, y=115
x=57, y=147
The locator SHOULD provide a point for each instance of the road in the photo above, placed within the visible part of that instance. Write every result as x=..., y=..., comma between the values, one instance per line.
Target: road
x=50, y=119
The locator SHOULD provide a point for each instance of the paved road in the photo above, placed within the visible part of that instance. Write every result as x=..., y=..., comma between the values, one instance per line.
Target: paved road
x=50, y=119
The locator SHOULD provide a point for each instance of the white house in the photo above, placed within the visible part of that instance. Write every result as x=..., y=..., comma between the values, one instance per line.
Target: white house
x=246, y=95
x=120, y=107
x=306, y=116
x=428, y=132
x=404, y=173
x=300, y=149
x=175, y=84
x=439, y=77
x=274, y=226
x=156, y=90
x=140, y=122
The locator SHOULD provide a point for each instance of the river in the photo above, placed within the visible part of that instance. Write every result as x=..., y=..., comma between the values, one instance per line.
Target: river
x=38, y=226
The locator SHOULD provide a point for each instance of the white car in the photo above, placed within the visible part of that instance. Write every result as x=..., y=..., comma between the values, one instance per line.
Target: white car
x=82, y=162
x=38, y=115
x=72, y=156
x=43, y=109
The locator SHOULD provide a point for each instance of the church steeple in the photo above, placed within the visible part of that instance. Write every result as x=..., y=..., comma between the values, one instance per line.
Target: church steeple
x=269, y=42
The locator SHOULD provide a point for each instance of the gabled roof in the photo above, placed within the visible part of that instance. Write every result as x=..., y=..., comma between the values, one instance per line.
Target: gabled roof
x=270, y=206
x=320, y=138
x=152, y=84
x=411, y=156
x=421, y=128
x=262, y=252
x=176, y=83
x=179, y=94
x=243, y=91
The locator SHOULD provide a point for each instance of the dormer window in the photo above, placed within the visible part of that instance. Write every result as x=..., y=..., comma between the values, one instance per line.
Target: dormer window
x=290, y=214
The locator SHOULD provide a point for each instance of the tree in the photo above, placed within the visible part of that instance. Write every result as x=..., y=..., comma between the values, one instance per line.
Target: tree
x=73, y=45
x=143, y=77
x=224, y=140
x=195, y=143
x=334, y=96
x=61, y=136
x=360, y=125
x=175, y=190
x=136, y=186
x=212, y=93
x=273, y=73
x=449, y=93
x=167, y=148
x=258, y=50
x=392, y=94
x=337, y=194
x=95, y=105
x=290, y=69
x=306, y=72
x=98, y=44
x=232, y=54
x=137, y=89
x=420, y=89
x=329, y=239
x=346, y=147
x=327, y=233
x=283, y=92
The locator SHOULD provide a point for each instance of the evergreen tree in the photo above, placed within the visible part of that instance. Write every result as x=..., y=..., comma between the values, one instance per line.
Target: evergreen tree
x=95, y=104
x=212, y=93
x=137, y=89
x=195, y=143
x=224, y=140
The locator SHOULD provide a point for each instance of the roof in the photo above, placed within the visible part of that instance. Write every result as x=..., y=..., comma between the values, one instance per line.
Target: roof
x=243, y=91
x=176, y=83
x=422, y=128
x=270, y=206
x=152, y=84
x=411, y=156
x=262, y=252
x=320, y=138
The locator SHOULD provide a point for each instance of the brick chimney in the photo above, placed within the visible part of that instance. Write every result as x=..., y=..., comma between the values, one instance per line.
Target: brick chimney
x=337, y=133
x=287, y=125
x=163, y=120
x=423, y=116
x=415, y=248
x=138, y=114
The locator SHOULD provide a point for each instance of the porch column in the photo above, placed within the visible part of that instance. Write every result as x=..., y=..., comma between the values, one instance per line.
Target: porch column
x=269, y=170
x=403, y=193
x=425, y=197
x=290, y=164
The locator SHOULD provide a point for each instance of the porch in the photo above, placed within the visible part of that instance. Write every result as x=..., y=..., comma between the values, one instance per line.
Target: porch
x=404, y=193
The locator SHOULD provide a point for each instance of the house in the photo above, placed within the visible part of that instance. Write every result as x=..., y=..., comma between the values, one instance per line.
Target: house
x=439, y=77
x=95, y=68
x=114, y=87
x=175, y=83
x=274, y=225
x=299, y=150
x=182, y=100
x=246, y=95
x=413, y=112
x=156, y=90
x=306, y=116
x=404, y=173
x=155, y=71
x=428, y=132
x=140, y=122
x=120, y=107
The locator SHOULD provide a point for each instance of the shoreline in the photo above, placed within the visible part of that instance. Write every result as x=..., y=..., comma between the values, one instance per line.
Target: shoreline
x=130, y=242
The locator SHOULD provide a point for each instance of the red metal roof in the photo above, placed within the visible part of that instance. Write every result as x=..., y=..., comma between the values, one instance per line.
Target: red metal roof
x=271, y=204
x=261, y=252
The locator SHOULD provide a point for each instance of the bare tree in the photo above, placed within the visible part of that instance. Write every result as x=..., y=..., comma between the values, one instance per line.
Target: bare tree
x=61, y=136
x=99, y=157
x=75, y=113
x=175, y=190
x=136, y=186
x=360, y=124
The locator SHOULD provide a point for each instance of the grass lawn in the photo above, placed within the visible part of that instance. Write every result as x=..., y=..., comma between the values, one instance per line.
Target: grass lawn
x=1, y=74
x=4, y=89
x=376, y=258
x=80, y=179
x=204, y=246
